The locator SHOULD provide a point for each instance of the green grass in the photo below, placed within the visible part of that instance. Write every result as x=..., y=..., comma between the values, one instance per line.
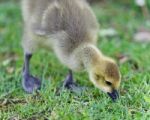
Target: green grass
x=56, y=104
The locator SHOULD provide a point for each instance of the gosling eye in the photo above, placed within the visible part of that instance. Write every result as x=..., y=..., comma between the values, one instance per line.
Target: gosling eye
x=108, y=83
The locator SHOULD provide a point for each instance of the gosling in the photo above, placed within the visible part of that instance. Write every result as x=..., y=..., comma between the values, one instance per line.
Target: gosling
x=69, y=28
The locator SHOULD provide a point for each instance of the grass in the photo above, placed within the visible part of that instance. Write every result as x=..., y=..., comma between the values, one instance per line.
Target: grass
x=55, y=104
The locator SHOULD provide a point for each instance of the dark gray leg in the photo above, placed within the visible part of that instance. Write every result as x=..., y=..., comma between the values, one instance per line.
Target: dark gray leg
x=69, y=82
x=29, y=83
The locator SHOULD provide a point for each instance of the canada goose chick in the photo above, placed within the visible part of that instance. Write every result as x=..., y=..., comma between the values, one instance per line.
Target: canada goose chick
x=69, y=28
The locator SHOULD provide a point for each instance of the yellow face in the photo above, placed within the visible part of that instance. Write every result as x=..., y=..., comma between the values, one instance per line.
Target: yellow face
x=106, y=77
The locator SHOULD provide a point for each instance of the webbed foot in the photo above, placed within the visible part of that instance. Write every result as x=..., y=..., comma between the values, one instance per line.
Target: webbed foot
x=30, y=83
x=71, y=85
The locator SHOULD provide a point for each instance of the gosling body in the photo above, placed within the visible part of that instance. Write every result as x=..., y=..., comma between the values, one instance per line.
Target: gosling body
x=62, y=25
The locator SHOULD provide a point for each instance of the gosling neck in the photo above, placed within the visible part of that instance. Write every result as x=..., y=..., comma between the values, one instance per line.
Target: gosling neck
x=90, y=56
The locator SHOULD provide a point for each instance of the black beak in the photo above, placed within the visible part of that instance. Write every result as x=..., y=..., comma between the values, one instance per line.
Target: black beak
x=114, y=95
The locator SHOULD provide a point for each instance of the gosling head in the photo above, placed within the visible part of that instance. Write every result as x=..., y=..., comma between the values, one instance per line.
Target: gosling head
x=105, y=75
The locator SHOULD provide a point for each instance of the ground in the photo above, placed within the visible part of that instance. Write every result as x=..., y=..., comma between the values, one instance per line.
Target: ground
x=54, y=103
